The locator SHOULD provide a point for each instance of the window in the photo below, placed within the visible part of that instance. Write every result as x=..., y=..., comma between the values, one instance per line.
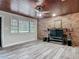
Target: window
x=32, y=27
x=23, y=26
x=14, y=26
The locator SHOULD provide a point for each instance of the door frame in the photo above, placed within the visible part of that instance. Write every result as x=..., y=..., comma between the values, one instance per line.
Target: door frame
x=2, y=33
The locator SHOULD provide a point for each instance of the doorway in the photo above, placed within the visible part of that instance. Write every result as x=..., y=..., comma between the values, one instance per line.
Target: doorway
x=0, y=32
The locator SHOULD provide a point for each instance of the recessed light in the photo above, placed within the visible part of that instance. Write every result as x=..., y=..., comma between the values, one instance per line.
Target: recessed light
x=62, y=0
x=53, y=14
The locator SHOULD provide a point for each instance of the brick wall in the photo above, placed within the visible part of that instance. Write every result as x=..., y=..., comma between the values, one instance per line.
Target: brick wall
x=70, y=21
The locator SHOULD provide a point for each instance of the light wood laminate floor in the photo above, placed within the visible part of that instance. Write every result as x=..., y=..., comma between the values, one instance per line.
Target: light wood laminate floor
x=39, y=50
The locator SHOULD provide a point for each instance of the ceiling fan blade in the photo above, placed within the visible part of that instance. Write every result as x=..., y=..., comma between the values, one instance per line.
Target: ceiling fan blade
x=45, y=11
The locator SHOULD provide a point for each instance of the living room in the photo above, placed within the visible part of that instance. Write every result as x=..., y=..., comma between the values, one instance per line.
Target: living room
x=39, y=29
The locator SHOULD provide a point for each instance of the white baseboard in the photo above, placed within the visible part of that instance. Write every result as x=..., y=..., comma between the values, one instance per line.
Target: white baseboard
x=8, y=45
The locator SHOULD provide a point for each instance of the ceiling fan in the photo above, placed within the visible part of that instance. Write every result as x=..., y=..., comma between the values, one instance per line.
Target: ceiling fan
x=39, y=7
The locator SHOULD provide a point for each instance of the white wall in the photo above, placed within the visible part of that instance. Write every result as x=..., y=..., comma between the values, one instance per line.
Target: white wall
x=8, y=38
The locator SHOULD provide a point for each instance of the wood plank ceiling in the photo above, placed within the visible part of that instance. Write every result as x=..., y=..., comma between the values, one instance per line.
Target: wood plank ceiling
x=20, y=7
x=60, y=7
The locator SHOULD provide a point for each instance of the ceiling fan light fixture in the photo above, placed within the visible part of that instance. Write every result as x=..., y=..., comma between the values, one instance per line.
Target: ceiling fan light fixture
x=39, y=8
x=39, y=14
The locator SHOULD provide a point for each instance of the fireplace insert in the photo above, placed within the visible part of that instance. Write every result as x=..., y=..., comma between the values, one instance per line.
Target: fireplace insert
x=56, y=35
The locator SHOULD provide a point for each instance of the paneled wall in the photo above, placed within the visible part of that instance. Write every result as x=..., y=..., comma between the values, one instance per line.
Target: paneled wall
x=70, y=21
x=9, y=38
